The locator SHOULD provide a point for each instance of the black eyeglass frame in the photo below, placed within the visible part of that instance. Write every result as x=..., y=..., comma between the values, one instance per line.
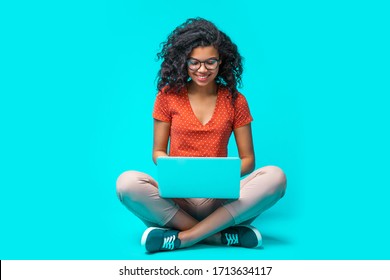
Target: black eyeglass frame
x=217, y=60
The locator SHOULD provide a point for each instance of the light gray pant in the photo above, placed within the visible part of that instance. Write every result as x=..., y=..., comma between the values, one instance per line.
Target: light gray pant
x=258, y=191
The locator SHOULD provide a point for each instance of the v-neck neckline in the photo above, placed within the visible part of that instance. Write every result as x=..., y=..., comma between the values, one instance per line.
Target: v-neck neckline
x=193, y=113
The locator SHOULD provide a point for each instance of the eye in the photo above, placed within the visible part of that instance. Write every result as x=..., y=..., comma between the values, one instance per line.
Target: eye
x=211, y=62
x=193, y=62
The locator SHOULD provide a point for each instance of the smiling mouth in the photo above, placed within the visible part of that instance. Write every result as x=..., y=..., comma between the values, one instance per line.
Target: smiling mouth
x=202, y=77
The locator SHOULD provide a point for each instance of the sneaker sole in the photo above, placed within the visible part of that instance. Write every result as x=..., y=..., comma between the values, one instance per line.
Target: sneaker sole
x=146, y=233
x=258, y=235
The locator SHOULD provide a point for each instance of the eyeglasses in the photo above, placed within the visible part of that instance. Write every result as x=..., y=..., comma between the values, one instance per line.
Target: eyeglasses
x=210, y=64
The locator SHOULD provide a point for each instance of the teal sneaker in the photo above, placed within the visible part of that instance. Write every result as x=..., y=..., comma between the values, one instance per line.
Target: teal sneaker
x=242, y=236
x=156, y=239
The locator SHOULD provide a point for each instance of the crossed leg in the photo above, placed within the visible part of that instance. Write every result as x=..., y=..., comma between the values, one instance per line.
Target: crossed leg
x=259, y=191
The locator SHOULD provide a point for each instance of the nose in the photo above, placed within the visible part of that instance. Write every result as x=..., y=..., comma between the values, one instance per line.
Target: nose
x=202, y=68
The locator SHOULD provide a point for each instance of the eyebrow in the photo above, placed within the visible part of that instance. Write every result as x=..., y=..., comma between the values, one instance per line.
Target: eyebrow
x=213, y=57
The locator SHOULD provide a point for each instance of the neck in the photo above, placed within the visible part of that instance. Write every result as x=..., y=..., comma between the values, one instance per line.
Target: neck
x=210, y=89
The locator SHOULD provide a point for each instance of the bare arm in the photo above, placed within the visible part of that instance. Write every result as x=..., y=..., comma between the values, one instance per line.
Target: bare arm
x=246, y=152
x=160, y=139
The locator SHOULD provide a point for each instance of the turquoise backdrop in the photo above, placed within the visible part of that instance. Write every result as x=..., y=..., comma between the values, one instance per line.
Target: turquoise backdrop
x=77, y=86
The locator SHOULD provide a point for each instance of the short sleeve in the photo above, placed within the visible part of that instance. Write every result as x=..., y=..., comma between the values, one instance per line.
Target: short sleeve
x=161, y=110
x=242, y=115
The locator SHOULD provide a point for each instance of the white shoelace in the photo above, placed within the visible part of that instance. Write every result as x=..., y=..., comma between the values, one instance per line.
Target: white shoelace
x=231, y=238
x=169, y=242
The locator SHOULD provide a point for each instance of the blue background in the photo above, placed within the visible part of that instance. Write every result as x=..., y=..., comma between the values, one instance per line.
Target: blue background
x=77, y=86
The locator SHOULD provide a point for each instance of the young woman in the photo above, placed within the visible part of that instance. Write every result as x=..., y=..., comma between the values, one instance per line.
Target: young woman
x=197, y=108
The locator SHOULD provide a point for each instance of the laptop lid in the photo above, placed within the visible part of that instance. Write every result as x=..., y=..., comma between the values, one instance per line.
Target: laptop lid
x=199, y=177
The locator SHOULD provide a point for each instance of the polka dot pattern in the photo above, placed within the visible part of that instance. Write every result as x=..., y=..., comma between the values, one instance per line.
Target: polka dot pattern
x=188, y=136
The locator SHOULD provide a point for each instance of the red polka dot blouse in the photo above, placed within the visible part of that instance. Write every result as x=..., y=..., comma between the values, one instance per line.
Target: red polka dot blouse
x=188, y=136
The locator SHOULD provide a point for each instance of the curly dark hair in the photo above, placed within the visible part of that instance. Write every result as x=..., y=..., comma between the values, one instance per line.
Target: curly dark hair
x=198, y=32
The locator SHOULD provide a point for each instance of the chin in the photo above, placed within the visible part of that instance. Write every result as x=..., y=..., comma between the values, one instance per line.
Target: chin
x=202, y=84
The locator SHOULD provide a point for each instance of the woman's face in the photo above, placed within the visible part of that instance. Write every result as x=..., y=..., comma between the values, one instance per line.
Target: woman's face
x=203, y=65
